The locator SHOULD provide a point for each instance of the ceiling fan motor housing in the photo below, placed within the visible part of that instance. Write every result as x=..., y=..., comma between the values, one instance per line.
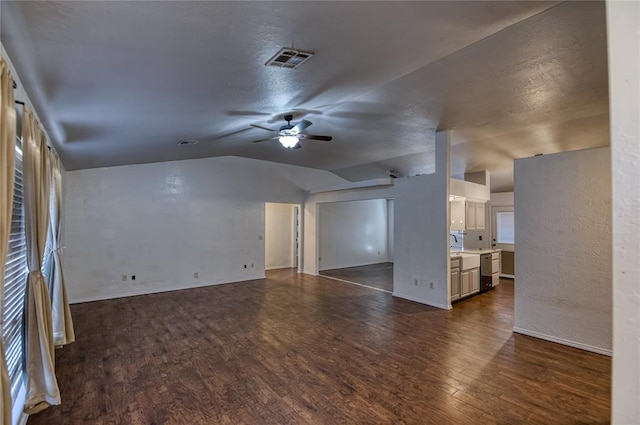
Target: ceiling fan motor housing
x=284, y=130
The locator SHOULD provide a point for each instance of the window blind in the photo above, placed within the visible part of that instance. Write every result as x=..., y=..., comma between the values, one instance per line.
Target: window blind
x=505, y=227
x=15, y=283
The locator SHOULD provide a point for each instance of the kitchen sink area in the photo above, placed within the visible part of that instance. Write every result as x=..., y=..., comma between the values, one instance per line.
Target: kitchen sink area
x=473, y=268
x=467, y=260
x=473, y=272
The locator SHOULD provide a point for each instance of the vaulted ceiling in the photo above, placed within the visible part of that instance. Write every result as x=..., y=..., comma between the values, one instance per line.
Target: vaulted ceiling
x=122, y=82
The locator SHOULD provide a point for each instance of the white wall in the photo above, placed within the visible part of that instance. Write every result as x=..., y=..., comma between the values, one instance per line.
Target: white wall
x=563, y=260
x=470, y=190
x=352, y=234
x=623, y=22
x=422, y=233
x=165, y=221
x=278, y=237
x=502, y=199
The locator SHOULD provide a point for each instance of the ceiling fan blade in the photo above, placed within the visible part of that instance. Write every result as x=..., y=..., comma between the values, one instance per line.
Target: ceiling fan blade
x=225, y=135
x=298, y=128
x=263, y=140
x=316, y=137
x=263, y=128
x=241, y=113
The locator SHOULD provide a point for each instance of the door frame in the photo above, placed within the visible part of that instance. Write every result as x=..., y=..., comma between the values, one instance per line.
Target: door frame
x=295, y=238
x=494, y=244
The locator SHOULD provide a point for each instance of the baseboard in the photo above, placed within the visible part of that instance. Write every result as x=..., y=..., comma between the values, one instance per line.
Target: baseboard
x=421, y=301
x=508, y=276
x=149, y=291
x=354, y=265
x=354, y=283
x=23, y=419
x=279, y=267
x=563, y=341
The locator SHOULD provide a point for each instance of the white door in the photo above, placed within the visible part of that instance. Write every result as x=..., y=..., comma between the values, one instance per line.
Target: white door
x=503, y=236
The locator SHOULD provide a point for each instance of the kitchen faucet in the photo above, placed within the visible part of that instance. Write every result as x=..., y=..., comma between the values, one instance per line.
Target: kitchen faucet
x=454, y=237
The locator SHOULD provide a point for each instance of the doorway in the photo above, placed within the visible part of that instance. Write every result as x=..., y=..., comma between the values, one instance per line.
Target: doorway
x=355, y=242
x=503, y=237
x=281, y=236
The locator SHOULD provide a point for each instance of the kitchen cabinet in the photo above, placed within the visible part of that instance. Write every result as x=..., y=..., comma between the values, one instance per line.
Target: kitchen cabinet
x=465, y=275
x=469, y=282
x=475, y=216
x=467, y=215
x=465, y=284
x=455, y=284
x=490, y=267
x=480, y=216
x=475, y=280
x=457, y=216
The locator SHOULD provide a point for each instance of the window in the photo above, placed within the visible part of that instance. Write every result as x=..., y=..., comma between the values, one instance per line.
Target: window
x=47, y=262
x=15, y=283
x=505, y=227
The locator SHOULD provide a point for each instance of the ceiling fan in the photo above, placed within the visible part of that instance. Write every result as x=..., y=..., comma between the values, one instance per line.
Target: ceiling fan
x=289, y=135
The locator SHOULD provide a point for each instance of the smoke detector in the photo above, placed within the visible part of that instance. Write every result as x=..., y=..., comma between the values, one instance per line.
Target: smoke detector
x=289, y=58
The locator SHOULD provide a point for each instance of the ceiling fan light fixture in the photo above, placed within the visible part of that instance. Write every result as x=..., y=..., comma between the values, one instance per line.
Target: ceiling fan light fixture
x=288, y=142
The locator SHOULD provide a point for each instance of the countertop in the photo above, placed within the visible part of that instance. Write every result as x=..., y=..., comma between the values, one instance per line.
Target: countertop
x=473, y=251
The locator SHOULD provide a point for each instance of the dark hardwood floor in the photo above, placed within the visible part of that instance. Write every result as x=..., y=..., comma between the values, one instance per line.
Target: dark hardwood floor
x=378, y=276
x=297, y=349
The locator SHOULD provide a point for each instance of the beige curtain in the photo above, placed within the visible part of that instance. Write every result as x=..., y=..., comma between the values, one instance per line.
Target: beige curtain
x=62, y=323
x=42, y=386
x=7, y=172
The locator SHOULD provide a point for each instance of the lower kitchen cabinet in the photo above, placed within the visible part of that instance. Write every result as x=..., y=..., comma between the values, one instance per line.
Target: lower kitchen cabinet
x=463, y=282
x=475, y=280
x=455, y=284
x=469, y=282
x=490, y=267
x=455, y=279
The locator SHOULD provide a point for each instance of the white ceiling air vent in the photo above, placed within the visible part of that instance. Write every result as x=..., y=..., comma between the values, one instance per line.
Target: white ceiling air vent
x=187, y=142
x=289, y=58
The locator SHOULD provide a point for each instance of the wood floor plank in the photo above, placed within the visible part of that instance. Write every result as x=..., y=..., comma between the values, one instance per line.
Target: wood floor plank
x=298, y=349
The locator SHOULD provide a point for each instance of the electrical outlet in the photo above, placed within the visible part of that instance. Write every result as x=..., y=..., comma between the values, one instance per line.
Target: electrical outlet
x=195, y=275
x=251, y=265
x=415, y=282
x=124, y=277
x=430, y=285
x=133, y=277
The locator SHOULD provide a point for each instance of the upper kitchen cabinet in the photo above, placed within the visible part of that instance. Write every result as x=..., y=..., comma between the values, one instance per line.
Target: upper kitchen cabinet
x=475, y=216
x=458, y=216
x=468, y=201
x=467, y=215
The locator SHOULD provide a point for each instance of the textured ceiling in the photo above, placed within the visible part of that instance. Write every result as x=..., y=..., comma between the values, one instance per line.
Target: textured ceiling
x=121, y=82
